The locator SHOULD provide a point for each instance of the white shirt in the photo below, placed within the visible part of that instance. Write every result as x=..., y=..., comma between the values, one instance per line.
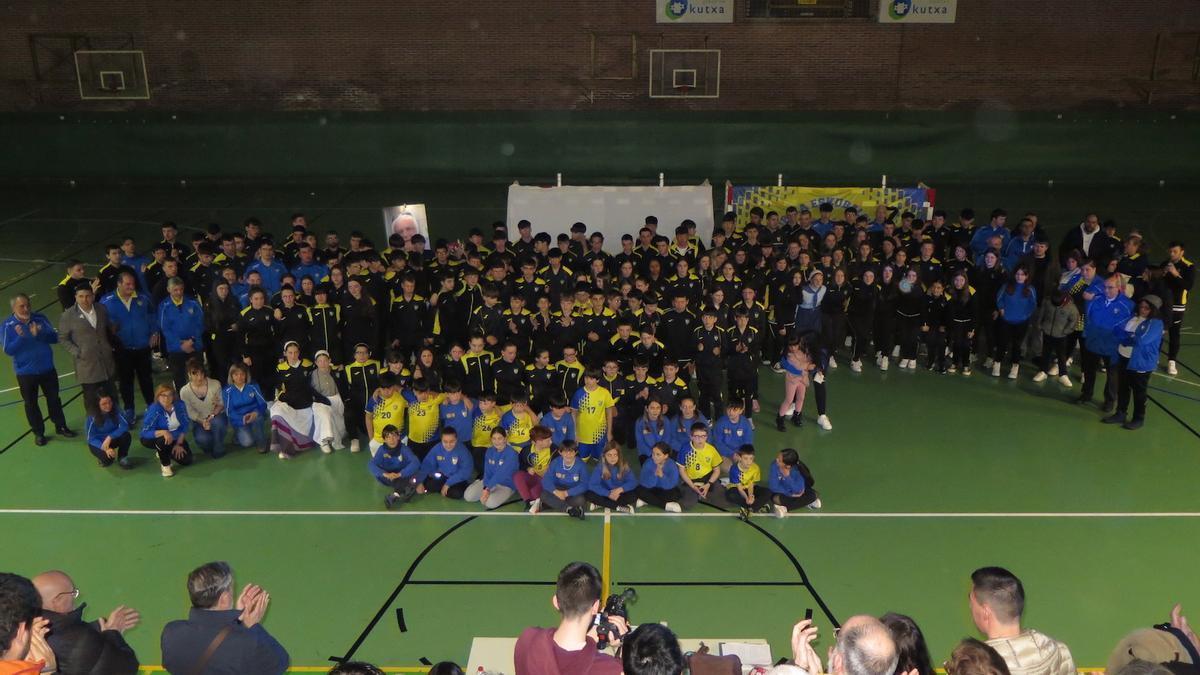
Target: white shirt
x=1130, y=326
x=172, y=421
x=1088, y=237
x=90, y=316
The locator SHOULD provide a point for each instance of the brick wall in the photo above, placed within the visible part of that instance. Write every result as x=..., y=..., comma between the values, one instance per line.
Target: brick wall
x=536, y=55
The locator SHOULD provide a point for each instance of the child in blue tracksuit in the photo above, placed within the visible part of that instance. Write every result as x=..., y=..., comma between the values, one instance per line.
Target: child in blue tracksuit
x=658, y=483
x=651, y=429
x=1139, y=340
x=613, y=484
x=395, y=466
x=731, y=432
x=500, y=465
x=1015, y=303
x=164, y=429
x=680, y=426
x=559, y=421
x=246, y=408
x=447, y=468
x=108, y=434
x=565, y=482
x=791, y=484
x=456, y=412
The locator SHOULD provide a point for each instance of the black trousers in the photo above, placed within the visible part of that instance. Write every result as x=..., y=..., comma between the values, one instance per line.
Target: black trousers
x=909, y=330
x=860, y=329
x=178, y=363
x=790, y=503
x=163, y=450
x=1055, y=347
x=135, y=364
x=709, y=380
x=48, y=383
x=743, y=387
x=960, y=345
x=421, y=449
x=121, y=443
x=1091, y=363
x=761, y=496
x=1173, y=334
x=1009, y=337
x=833, y=331
x=659, y=496
x=1131, y=384
x=434, y=485
x=935, y=342
x=626, y=499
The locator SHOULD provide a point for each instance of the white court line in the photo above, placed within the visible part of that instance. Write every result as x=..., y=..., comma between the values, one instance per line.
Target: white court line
x=18, y=217
x=640, y=514
x=1176, y=378
x=5, y=391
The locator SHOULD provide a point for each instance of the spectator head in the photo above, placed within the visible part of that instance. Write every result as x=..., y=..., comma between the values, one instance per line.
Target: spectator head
x=912, y=653
x=358, y=668
x=864, y=647
x=19, y=603
x=972, y=657
x=210, y=586
x=1143, y=650
x=445, y=668
x=652, y=649
x=577, y=592
x=1140, y=667
x=57, y=590
x=997, y=600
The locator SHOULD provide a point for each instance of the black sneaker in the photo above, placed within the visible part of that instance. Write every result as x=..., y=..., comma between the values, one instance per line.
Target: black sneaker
x=39, y=439
x=1083, y=400
x=1133, y=425
x=390, y=500
x=575, y=512
x=765, y=507
x=65, y=432
x=1115, y=418
x=797, y=420
x=744, y=514
x=405, y=493
x=125, y=463
x=779, y=423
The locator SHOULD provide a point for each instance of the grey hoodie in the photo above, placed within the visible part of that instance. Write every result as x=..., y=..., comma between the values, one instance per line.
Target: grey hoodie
x=1034, y=653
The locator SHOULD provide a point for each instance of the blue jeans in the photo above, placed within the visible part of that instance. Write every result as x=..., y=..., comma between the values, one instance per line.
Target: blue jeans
x=211, y=441
x=251, y=435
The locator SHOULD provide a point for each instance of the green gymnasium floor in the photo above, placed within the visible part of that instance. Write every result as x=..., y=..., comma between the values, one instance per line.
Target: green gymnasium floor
x=924, y=478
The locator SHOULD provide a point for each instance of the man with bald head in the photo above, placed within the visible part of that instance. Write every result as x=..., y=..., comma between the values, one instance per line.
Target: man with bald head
x=96, y=648
x=864, y=647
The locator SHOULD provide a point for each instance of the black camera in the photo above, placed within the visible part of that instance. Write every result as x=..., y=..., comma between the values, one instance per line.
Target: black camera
x=616, y=605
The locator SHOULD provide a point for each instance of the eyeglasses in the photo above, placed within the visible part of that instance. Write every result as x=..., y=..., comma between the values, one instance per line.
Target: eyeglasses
x=74, y=593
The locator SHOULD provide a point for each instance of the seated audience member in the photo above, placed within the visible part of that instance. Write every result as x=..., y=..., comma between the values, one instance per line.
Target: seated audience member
x=910, y=645
x=744, y=489
x=108, y=433
x=658, y=482
x=972, y=657
x=23, y=646
x=164, y=430
x=571, y=647
x=864, y=646
x=652, y=649
x=96, y=648
x=205, y=408
x=246, y=410
x=445, y=668
x=1172, y=646
x=564, y=484
x=242, y=645
x=447, y=468
x=500, y=464
x=791, y=484
x=997, y=602
x=356, y=668
x=394, y=465
x=613, y=484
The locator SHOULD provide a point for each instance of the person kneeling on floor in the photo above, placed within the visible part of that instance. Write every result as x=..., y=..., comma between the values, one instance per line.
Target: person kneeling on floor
x=395, y=466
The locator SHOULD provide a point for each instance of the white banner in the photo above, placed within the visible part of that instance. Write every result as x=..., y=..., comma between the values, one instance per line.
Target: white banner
x=693, y=11
x=611, y=210
x=917, y=11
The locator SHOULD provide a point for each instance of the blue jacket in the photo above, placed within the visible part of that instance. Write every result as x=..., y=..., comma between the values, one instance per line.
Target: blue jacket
x=399, y=460
x=458, y=418
x=1017, y=306
x=1103, y=316
x=597, y=484
x=135, y=325
x=979, y=242
x=649, y=434
x=728, y=436
x=1146, y=340
x=239, y=403
x=574, y=480
x=313, y=270
x=500, y=467
x=456, y=465
x=272, y=275
x=31, y=354
x=156, y=416
x=670, y=477
x=180, y=322
x=113, y=425
x=1015, y=249
x=245, y=650
x=679, y=430
x=793, y=484
x=560, y=430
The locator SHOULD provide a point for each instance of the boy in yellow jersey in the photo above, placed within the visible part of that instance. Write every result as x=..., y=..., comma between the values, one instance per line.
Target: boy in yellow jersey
x=518, y=421
x=424, y=417
x=700, y=466
x=387, y=407
x=744, y=489
x=593, y=409
x=485, y=417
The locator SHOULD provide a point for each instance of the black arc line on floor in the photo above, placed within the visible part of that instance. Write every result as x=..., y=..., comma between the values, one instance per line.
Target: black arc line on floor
x=1173, y=416
x=44, y=420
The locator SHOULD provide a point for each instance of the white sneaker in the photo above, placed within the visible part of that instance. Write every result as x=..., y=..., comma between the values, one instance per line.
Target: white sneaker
x=673, y=507
x=1171, y=369
x=824, y=423
x=832, y=362
x=167, y=471
x=952, y=370
x=856, y=366
x=883, y=363
x=1064, y=381
x=283, y=455
x=327, y=448
x=878, y=358
x=1070, y=360
x=1040, y=377
x=640, y=504
x=1053, y=372
x=626, y=509
x=816, y=504
x=1012, y=372
x=592, y=507
x=995, y=369
x=912, y=364
x=903, y=364
x=895, y=351
x=535, y=506
x=780, y=510
x=849, y=340
x=988, y=362
x=775, y=367
x=966, y=371
x=354, y=446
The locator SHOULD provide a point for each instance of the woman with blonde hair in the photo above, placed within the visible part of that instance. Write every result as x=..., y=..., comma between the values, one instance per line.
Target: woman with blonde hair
x=613, y=484
x=164, y=430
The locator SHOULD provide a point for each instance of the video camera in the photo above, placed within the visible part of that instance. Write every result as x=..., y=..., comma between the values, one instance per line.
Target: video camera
x=615, y=605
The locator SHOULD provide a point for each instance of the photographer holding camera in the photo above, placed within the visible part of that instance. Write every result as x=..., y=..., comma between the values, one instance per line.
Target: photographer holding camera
x=571, y=647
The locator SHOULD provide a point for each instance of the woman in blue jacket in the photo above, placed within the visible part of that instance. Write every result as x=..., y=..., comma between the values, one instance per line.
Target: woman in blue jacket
x=395, y=466
x=246, y=409
x=613, y=484
x=651, y=428
x=500, y=464
x=108, y=434
x=658, y=483
x=791, y=484
x=565, y=482
x=164, y=429
x=1138, y=342
x=1015, y=304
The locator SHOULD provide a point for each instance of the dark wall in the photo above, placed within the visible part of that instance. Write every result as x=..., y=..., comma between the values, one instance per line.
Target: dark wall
x=536, y=55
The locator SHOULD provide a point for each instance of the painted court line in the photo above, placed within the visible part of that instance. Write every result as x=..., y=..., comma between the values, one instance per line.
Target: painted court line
x=5, y=391
x=521, y=514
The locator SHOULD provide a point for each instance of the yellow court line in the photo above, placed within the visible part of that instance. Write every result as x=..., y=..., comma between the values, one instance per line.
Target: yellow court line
x=606, y=563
